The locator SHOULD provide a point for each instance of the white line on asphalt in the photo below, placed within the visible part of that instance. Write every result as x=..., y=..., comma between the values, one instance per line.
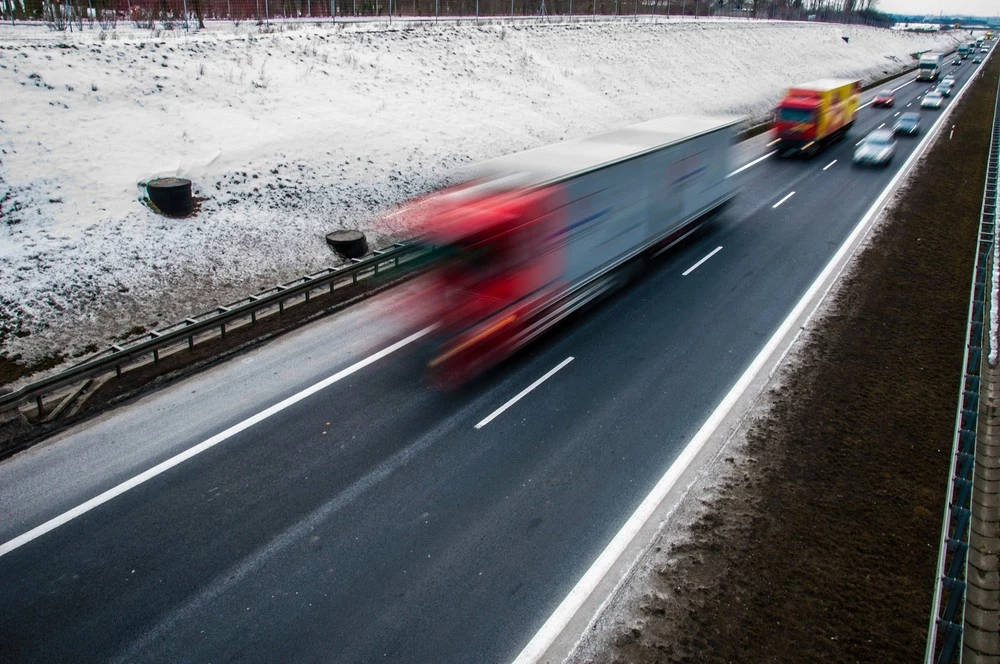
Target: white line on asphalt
x=177, y=459
x=880, y=126
x=520, y=395
x=561, y=617
x=696, y=265
x=790, y=194
x=859, y=142
x=830, y=164
x=910, y=104
x=895, y=114
x=752, y=163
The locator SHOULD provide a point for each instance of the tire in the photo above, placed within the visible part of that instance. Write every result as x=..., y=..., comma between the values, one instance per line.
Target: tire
x=171, y=196
x=349, y=244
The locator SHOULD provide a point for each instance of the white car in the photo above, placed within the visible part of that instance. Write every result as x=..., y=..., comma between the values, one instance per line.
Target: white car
x=932, y=99
x=950, y=80
x=877, y=148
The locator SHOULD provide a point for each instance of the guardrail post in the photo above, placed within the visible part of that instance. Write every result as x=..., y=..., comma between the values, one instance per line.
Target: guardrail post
x=38, y=404
x=156, y=356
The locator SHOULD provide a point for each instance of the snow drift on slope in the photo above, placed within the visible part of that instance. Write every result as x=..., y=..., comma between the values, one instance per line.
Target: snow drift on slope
x=292, y=134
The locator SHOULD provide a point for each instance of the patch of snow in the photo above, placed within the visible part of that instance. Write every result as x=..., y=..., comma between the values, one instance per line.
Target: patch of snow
x=296, y=130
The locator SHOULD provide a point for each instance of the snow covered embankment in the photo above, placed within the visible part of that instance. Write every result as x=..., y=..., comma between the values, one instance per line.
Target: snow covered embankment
x=291, y=134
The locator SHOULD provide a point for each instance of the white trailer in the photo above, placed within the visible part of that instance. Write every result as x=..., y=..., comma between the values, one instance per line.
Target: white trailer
x=536, y=235
x=624, y=191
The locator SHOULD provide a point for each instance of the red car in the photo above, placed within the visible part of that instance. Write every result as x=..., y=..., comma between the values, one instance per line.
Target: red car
x=884, y=98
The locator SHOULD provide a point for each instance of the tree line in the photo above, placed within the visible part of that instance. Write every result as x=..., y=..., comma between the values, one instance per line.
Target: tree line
x=173, y=14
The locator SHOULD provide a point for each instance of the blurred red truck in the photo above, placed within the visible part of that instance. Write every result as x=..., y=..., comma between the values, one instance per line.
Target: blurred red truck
x=534, y=236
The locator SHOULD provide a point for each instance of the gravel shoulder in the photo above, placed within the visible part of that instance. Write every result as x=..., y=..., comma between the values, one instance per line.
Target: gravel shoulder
x=814, y=537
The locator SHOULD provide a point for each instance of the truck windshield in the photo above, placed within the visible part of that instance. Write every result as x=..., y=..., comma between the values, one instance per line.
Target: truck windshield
x=929, y=65
x=795, y=114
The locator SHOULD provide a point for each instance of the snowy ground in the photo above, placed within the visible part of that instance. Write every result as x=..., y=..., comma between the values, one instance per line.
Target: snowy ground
x=290, y=134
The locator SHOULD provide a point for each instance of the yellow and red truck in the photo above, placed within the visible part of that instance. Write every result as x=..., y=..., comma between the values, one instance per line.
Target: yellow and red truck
x=814, y=114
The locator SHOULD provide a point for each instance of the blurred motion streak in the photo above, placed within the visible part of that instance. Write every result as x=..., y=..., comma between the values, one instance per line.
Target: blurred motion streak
x=531, y=237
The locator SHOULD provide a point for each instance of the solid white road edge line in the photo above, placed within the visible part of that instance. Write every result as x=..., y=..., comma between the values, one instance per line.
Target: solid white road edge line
x=830, y=164
x=696, y=265
x=783, y=200
x=520, y=395
x=177, y=459
x=560, y=618
x=752, y=163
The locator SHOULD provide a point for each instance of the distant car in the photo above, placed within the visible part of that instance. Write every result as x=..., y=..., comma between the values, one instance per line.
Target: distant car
x=877, y=149
x=984, y=50
x=884, y=98
x=956, y=61
x=932, y=99
x=976, y=60
x=908, y=123
x=943, y=89
x=949, y=79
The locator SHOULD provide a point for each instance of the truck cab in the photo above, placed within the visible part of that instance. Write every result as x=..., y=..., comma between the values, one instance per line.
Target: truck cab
x=499, y=264
x=813, y=114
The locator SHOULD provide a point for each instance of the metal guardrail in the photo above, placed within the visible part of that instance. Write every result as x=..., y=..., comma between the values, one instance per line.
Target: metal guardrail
x=398, y=258
x=947, y=621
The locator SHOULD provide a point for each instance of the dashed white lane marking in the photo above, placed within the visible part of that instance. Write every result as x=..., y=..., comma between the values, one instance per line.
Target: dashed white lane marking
x=830, y=164
x=790, y=194
x=752, y=163
x=520, y=395
x=696, y=265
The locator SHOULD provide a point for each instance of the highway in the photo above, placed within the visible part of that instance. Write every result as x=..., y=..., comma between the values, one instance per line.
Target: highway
x=371, y=519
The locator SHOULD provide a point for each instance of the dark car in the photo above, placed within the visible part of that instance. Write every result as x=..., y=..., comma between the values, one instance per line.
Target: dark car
x=976, y=60
x=956, y=61
x=884, y=98
x=908, y=123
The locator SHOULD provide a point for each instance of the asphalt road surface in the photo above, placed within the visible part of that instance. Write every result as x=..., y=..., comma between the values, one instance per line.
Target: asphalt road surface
x=370, y=520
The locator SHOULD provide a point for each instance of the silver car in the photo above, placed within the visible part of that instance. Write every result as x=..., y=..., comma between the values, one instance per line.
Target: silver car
x=932, y=99
x=877, y=148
